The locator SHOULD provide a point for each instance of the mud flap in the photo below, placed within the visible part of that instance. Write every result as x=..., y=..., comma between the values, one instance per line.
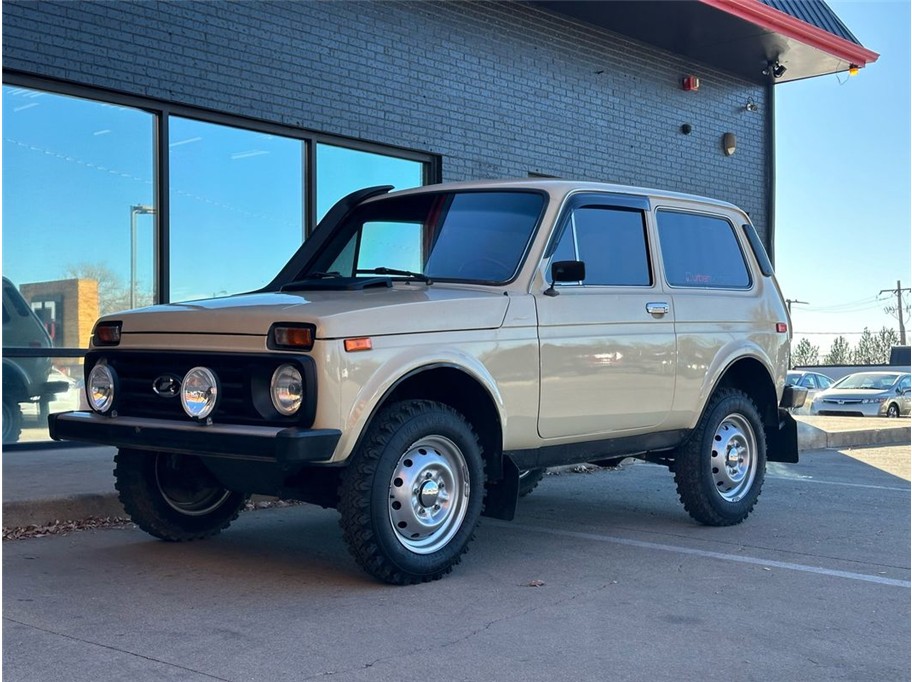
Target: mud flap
x=782, y=443
x=502, y=496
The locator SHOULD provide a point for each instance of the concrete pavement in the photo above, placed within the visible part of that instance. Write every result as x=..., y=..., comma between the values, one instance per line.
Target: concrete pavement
x=813, y=586
x=72, y=484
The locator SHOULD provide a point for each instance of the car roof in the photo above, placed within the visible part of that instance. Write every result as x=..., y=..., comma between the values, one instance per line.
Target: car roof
x=557, y=189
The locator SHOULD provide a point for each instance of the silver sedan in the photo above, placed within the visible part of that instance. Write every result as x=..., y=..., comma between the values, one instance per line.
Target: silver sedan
x=866, y=394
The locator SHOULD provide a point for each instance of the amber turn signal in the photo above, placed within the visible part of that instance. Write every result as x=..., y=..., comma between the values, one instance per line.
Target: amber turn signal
x=355, y=345
x=106, y=334
x=291, y=337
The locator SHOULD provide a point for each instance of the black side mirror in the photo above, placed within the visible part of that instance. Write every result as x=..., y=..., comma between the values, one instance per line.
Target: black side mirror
x=568, y=271
x=565, y=271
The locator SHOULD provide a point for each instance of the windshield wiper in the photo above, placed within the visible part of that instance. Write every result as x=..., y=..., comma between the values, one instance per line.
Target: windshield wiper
x=420, y=276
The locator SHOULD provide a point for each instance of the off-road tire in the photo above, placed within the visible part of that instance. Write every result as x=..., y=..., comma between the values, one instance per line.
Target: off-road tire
x=529, y=480
x=142, y=479
x=419, y=441
x=12, y=421
x=710, y=492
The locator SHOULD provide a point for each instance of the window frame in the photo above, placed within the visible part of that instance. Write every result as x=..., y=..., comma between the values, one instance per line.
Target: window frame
x=607, y=201
x=751, y=280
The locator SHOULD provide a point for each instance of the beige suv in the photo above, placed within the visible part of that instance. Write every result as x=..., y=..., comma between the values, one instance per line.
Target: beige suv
x=426, y=354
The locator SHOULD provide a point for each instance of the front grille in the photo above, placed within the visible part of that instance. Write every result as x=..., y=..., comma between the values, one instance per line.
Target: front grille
x=840, y=413
x=243, y=385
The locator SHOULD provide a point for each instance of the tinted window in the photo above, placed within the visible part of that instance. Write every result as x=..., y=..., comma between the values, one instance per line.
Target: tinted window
x=469, y=236
x=612, y=244
x=701, y=251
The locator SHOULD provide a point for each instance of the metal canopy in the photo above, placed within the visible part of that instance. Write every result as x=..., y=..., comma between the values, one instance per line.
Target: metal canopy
x=737, y=36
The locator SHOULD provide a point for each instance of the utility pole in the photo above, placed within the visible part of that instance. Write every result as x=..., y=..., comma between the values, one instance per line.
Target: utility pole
x=789, y=302
x=899, y=308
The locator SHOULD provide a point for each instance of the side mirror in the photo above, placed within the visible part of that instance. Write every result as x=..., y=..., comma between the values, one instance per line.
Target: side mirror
x=565, y=271
x=568, y=271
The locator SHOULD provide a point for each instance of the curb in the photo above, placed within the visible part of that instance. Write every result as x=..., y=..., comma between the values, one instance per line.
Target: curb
x=53, y=509
x=813, y=438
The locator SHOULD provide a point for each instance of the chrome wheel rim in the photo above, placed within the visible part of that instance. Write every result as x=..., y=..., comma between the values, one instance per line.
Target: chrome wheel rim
x=429, y=494
x=181, y=486
x=734, y=457
x=893, y=412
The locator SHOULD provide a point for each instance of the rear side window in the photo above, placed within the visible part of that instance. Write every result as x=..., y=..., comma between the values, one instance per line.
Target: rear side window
x=701, y=251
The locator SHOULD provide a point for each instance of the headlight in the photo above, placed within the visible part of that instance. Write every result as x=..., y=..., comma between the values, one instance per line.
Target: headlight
x=101, y=388
x=875, y=401
x=287, y=389
x=199, y=392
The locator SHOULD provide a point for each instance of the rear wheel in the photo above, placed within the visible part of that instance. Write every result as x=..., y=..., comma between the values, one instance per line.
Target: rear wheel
x=174, y=497
x=411, y=496
x=719, y=471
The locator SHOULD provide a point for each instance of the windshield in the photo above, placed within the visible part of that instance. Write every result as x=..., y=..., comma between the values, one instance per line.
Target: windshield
x=874, y=381
x=451, y=236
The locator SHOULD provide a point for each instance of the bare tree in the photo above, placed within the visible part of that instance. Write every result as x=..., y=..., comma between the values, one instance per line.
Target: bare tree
x=113, y=293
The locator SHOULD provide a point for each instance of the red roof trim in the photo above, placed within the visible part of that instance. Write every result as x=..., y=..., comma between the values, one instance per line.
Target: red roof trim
x=766, y=17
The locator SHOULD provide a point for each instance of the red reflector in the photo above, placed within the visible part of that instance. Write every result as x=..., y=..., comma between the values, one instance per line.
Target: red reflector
x=355, y=345
x=782, y=327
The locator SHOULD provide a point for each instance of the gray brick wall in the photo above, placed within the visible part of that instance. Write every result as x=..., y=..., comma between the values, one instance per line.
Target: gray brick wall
x=497, y=89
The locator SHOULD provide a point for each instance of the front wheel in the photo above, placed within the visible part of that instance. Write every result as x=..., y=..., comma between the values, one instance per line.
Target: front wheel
x=719, y=471
x=173, y=497
x=412, y=494
x=893, y=411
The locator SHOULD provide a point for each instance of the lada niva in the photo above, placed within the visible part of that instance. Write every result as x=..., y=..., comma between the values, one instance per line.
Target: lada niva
x=427, y=353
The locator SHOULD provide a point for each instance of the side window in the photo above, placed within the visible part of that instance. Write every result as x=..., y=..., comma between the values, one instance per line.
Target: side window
x=701, y=251
x=612, y=244
x=905, y=384
x=809, y=381
x=825, y=382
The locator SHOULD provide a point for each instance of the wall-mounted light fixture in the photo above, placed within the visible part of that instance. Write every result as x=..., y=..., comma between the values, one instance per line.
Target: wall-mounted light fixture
x=729, y=144
x=751, y=105
x=690, y=83
x=778, y=70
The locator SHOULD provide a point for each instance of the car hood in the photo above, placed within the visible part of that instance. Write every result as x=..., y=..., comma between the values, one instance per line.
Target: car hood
x=402, y=309
x=852, y=394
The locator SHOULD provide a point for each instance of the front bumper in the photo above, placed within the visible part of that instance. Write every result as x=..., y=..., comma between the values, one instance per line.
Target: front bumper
x=849, y=408
x=286, y=447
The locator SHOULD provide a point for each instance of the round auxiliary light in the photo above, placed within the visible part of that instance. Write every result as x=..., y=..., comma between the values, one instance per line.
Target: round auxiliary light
x=199, y=392
x=101, y=388
x=287, y=389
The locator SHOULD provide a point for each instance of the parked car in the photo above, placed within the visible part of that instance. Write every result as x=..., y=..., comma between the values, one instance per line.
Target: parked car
x=423, y=348
x=866, y=394
x=812, y=381
x=25, y=380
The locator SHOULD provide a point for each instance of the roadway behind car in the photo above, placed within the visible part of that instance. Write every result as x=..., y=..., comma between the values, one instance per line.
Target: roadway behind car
x=602, y=575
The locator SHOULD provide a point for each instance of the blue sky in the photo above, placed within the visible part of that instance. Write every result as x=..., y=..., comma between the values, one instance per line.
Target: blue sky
x=843, y=182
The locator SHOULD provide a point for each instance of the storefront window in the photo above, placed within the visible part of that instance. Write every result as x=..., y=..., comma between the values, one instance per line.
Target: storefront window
x=237, y=207
x=74, y=244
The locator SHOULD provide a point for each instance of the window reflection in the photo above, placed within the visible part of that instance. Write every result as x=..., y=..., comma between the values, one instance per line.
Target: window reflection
x=341, y=171
x=73, y=168
x=236, y=207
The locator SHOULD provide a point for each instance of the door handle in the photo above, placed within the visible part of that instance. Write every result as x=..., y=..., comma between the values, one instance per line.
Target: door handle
x=657, y=308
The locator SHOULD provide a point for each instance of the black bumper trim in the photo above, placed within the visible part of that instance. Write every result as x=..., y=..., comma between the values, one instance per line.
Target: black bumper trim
x=255, y=443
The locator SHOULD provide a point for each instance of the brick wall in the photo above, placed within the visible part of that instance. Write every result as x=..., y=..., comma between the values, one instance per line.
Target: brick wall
x=497, y=89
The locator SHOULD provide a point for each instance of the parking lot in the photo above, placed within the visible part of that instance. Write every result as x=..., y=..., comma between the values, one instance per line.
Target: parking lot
x=601, y=576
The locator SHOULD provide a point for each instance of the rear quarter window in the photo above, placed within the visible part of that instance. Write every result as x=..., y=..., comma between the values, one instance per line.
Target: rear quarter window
x=701, y=251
